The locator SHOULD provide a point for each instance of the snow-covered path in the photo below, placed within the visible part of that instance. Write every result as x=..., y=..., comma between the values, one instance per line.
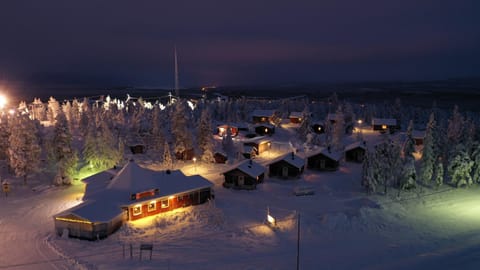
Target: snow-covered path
x=26, y=223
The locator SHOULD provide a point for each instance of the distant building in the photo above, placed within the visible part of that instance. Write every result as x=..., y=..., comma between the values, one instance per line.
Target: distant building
x=222, y=130
x=263, y=116
x=355, y=152
x=418, y=136
x=287, y=167
x=264, y=129
x=296, y=117
x=245, y=176
x=385, y=124
x=323, y=159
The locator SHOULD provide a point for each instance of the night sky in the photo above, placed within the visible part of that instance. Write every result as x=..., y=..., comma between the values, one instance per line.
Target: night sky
x=245, y=42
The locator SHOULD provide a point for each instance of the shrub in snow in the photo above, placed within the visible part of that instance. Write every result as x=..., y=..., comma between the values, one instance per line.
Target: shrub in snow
x=460, y=168
x=429, y=155
x=438, y=173
x=409, y=175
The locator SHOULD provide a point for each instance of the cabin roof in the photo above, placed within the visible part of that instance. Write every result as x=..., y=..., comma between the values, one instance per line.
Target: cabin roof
x=384, y=121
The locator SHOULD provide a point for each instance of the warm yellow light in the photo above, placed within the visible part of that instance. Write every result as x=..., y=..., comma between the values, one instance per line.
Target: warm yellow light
x=3, y=101
x=137, y=209
x=266, y=130
x=171, y=197
x=73, y=220
x=194, y=159
x=11, y=111
x=384, y=126
x=270, y=219
x=359, y=121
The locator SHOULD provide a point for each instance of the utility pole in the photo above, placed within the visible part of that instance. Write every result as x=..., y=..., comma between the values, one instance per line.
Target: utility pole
x=177, y=90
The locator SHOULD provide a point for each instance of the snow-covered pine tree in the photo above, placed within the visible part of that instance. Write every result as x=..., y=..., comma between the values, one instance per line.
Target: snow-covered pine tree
x=158, y=137
x=181, y=134
x=4, y=134
x=338, y=130
x=167, y=157
x=455, y=130
x=438, y=173
x=228, y=146
x=409, y=146
x=368, y=177
x=64, y=157
x=52, y=110
x=24, y=149
x=409, y=175
x=38, y=110
x=429, y=155
x=205, y=140
x=476, y=163
x=305, y=127
x=460, y=167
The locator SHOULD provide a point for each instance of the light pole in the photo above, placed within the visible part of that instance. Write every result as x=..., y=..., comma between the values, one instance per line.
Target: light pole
x=194, y=163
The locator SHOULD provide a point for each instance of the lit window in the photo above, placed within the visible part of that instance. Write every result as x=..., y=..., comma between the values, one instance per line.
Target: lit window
x=266, y=130
x=384, y=126
x=152, y=206
x=165, y=204
x=137, y=209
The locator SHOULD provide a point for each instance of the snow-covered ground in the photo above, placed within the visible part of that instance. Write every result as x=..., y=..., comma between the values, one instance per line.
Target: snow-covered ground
x=340, y=228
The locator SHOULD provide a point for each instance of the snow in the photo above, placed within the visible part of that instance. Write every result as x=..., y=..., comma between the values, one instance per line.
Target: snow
x=355, y=145
x=296, y=115
x=340, y=226
x=294, y=160
x=251, y=168
x=263, y=113
x=384, y=121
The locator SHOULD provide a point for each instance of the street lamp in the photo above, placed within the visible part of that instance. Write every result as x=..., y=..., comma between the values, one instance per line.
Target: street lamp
x=194, y=163
x=3, y=101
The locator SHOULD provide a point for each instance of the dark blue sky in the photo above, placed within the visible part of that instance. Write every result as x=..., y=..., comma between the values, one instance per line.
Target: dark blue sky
x=225, y=42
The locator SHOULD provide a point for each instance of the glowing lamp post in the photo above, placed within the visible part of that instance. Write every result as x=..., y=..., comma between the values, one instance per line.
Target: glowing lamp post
x=3, y=101
x=195, y=163
x=270, y=219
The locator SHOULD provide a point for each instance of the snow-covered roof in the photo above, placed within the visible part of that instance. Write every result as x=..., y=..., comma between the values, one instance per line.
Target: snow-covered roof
x=249, y=148
x=257, y=140
x=291, y=159
x=384, y=121
x=251, y=168
x=418, y=134
x=296, y=114
x=335, y=155
x=94, y=211
x=263, y=113
x=331, y=116
x=354, y=145
x=264, y=125
x=133, y=179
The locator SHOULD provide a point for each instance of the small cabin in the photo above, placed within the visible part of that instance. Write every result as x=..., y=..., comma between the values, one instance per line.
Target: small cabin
x=185, y=155
x=245, y=176
x=289, y=166
x=418, y=136
x=385, y=124
x=355, y=152
x=263, y=116
x=222, y=130
x=264, y=129
x=296, y=117
x=260, y=145
x=220, y=157
x=324, y=160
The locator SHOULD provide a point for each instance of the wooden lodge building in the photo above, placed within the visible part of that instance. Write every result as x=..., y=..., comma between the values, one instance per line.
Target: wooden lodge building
x=323, y=159
x=263, y=116
x=289, y=166
x=222, y=130
x=256, y=146
x=133, y=193
x=385, y=124
x=245, y=176
x=264, y=129
x=296, y=117
x=355, y=152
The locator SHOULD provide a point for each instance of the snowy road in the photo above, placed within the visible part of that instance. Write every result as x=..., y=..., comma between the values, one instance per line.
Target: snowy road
x=25, y=225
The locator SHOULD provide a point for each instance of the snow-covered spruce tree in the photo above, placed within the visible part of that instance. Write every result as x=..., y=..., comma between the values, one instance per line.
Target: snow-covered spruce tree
x=228, y=146
x=338, y=130
x=409, y=174
x=429, y=156
x=460, y=167
x=438, y=173
x=455, y=130
x=397, y=111
x=476, y=163
x=167, y=157
x=409, y=146
x=157, y=136
x=4, y=134
x=181, y=134
x=205, y=140
x=75, y=111
x=52, y=109
x=388, y=163
x=305, y=127
x=38, y=110
x=63, y=156
x=24, y=150
x=368, y=177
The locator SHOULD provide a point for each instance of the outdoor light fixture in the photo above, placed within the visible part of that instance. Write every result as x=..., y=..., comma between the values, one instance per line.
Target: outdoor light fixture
x=271, y=219
x=3, y=101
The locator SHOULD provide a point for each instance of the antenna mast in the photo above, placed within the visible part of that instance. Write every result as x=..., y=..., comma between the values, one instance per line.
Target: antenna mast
x=177, y=90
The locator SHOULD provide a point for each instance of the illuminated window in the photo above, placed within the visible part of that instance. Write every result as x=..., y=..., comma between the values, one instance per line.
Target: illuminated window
x=152, y=206
x=266, y=130
x=137, y=209
x=384, y=126
x=165, y=204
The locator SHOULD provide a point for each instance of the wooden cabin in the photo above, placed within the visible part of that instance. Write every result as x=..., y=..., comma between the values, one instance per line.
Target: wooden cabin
x=222, y=130
x=263, y=116
x=259, y=145
x=355, y=152
x=418, y=136
x=133, y=193
x=220, y=157
x=264, y=129
x=245, y=176
x=323, y=160
x=185, y=155
x=287, y=167
x=385, y=124
x=296, y=117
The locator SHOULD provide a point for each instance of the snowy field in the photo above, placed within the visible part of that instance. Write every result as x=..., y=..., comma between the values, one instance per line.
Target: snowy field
x=340, y=228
